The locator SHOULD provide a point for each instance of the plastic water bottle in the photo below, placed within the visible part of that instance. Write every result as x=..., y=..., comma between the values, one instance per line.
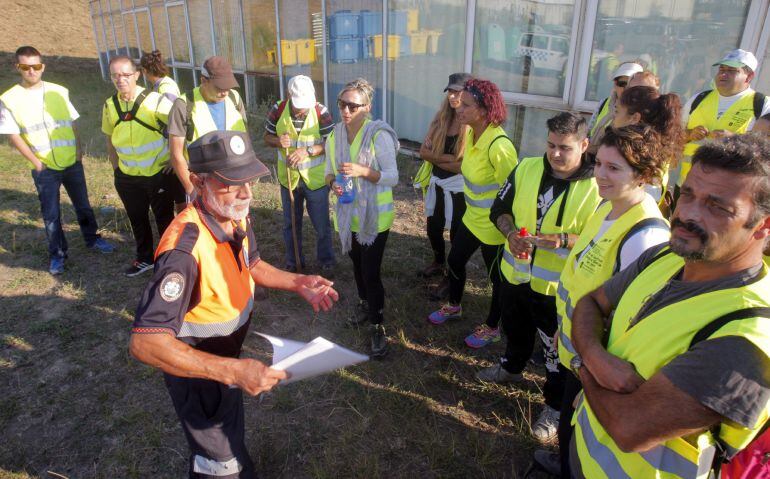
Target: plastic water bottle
x=348, y=193
x=522, y=234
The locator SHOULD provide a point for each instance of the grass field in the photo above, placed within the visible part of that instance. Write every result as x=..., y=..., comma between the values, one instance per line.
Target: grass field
x=74, y=403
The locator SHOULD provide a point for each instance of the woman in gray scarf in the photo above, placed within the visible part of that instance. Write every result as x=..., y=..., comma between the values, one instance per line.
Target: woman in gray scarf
x=364, y=150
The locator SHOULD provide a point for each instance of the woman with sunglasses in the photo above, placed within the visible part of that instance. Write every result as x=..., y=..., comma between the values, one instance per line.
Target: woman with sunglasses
x=442, y=154
x=363, y=152
x=489, y=158
x=602, y=117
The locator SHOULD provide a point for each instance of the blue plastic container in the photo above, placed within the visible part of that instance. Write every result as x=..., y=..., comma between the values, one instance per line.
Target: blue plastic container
x=397, y=22
x=366, y=47
x=348, y=192
x=371, y=23
x=405, y=45
x=344, y=24
x=346, y=50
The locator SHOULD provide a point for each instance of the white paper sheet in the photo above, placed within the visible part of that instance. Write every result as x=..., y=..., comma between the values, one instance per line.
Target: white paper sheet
x=305, y=360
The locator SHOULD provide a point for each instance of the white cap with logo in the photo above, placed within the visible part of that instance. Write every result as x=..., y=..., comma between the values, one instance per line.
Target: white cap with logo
x=302, y=92
x=739, y=58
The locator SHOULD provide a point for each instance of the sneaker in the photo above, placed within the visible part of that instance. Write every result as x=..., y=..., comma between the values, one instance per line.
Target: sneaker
x=379, y=341
x=441, y=291
x=482, y=336
x=433, y=269
x=360, y=314
x=446, y=312
x=137, y=268
x=103, y=246
x=498, y=374
x=56, y=266
x=548, y=461
x=547, y=425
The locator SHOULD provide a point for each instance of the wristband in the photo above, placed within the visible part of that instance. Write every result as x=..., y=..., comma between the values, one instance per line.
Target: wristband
x=565, y=240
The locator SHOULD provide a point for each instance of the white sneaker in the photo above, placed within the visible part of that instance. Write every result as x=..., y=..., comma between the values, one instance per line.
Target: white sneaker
x=547, y=426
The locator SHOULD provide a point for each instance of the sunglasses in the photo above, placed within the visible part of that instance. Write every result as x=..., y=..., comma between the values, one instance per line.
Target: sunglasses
x=621, y=83
x=352, y=107
x=25, y=68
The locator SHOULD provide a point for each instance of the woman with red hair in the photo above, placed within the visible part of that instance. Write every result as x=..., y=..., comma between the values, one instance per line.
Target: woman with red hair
x=489, y=158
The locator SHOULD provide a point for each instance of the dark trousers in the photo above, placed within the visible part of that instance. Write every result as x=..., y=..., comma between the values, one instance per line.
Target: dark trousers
x=367, y=263
x=437, y=222
x=212, y=418
x=139, y=194
x=464, y=245
x=317, y=202
x=48, y=184
x=524, y=314
x=572, y=387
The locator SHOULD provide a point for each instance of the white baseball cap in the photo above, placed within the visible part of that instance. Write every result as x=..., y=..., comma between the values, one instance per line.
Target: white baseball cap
x=302, y=92
x=627, y=70
x=739, y=58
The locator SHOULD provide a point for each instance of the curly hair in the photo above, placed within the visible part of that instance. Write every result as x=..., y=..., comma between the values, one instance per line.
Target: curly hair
x=642, y=148
x=152, y=63
x=488, y=96
x=662, y=112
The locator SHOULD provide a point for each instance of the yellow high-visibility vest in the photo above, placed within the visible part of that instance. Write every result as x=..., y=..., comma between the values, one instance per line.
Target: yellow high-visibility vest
x=312, y=168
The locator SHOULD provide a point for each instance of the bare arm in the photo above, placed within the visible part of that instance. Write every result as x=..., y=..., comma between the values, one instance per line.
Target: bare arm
x=655, y=412
x=18, y=142
x=178, y=161
x=112, y=154
x=172, y=356
x=315, y=290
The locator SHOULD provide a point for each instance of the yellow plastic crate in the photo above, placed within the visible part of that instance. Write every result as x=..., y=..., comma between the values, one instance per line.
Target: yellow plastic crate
x=412, y=20
x=394, y=46
x=419, y=42
x=306, y=51
x=288, y=53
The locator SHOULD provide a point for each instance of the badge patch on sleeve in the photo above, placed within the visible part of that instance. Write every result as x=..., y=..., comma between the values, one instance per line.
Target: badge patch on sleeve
x=171, y=287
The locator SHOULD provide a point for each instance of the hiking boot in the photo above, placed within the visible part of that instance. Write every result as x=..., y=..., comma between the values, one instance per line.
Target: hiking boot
x=547, y=426
x=379, y=341
x=137, y=268
x=498, y=374
x=446, y=312
x=56, y=266
x=482, y=336
x=103, y=246
x=433, y=269
x=548, y=461
x=360, y=314
x=441, y=291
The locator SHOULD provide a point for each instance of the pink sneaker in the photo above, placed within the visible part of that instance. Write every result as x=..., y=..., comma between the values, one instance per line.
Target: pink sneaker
x=446, y=312
x=482, y=336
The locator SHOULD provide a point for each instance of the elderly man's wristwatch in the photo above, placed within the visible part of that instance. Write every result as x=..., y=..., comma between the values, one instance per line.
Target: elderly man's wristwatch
x=576, y=363
x=309, y=150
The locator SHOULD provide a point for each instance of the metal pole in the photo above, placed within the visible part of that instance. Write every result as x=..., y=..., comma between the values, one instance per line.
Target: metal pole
x=213, y=30
x=278, y=49
x=385, y=62
x=323, y=54
x=245, y=57
x=470, y=26
x=152, y=29
x=136, y=30
x=170, y=43
x=96, y=41
x=189, y=42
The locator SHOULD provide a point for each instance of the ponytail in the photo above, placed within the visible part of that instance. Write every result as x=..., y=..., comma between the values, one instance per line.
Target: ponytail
x=153, y=64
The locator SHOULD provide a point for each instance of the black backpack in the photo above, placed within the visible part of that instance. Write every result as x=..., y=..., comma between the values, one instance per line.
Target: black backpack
x=759, y=102
x=131, y=114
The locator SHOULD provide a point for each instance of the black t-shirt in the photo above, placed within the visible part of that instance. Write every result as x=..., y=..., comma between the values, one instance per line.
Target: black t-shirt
x=449, y=146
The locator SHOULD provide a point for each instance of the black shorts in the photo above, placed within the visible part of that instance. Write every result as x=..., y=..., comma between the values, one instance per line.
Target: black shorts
x=211, y=414
x=175, y=187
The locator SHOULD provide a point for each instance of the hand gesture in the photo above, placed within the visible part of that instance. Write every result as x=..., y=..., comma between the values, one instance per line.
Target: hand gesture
x=255, y=377
x=551, y=241
x=698, y=133
x=716, y=134
x=296, y=157
x=317, y=291
x=519, y=244
x=615, y=374
x=285, y=140
x=336, y=188
x=353, y=169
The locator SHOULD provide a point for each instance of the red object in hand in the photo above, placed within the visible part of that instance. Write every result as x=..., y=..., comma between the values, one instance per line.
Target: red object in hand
x=523, y=233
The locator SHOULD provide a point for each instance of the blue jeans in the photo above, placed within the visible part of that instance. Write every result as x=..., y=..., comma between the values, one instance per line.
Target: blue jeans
x=318, y=210
x=48, y=183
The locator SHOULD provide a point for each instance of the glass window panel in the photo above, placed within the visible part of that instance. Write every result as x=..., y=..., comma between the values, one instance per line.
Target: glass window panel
x=161, y=32
x=179, y=35
x=115, y=33
x=350, y=54
x=523, y=45
x=527, y=129
x=200, y=25
x=145, y=33
x=259, y=22
x=762, y=83
x=302, y=34
x=184, y=78
x=133, y=43
x=677, y=40
x=228, y=32
x=416, y=81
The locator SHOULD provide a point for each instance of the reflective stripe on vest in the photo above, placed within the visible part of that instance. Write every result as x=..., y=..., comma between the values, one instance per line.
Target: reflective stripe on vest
x=141, y=151
x=49, y=132
x=202, y=120
x=484, y=165
x=312, y=168
x=581, y=199
x=737, y=119
x=597, y=264
x=226, y=292
x=651, y=342
x=385, y=205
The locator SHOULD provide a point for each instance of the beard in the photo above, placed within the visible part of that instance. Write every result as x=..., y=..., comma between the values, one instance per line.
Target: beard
x=679, y=247
x=236, y=211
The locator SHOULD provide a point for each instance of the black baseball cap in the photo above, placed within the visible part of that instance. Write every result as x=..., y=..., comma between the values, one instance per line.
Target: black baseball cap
x=457, y=81
x=228, y=155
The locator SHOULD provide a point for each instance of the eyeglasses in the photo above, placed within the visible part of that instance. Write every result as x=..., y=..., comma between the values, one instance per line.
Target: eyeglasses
x=118, y=76
x=621, y=83
x=25, y=68
x=352, y=107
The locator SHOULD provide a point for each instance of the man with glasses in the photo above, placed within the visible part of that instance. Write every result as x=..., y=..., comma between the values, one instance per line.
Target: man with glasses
x=134, y=120
x=603, y=115
x=214, y=105
x=297, y=129
x=731, y=108
x=40, y=122
x=195, y=313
